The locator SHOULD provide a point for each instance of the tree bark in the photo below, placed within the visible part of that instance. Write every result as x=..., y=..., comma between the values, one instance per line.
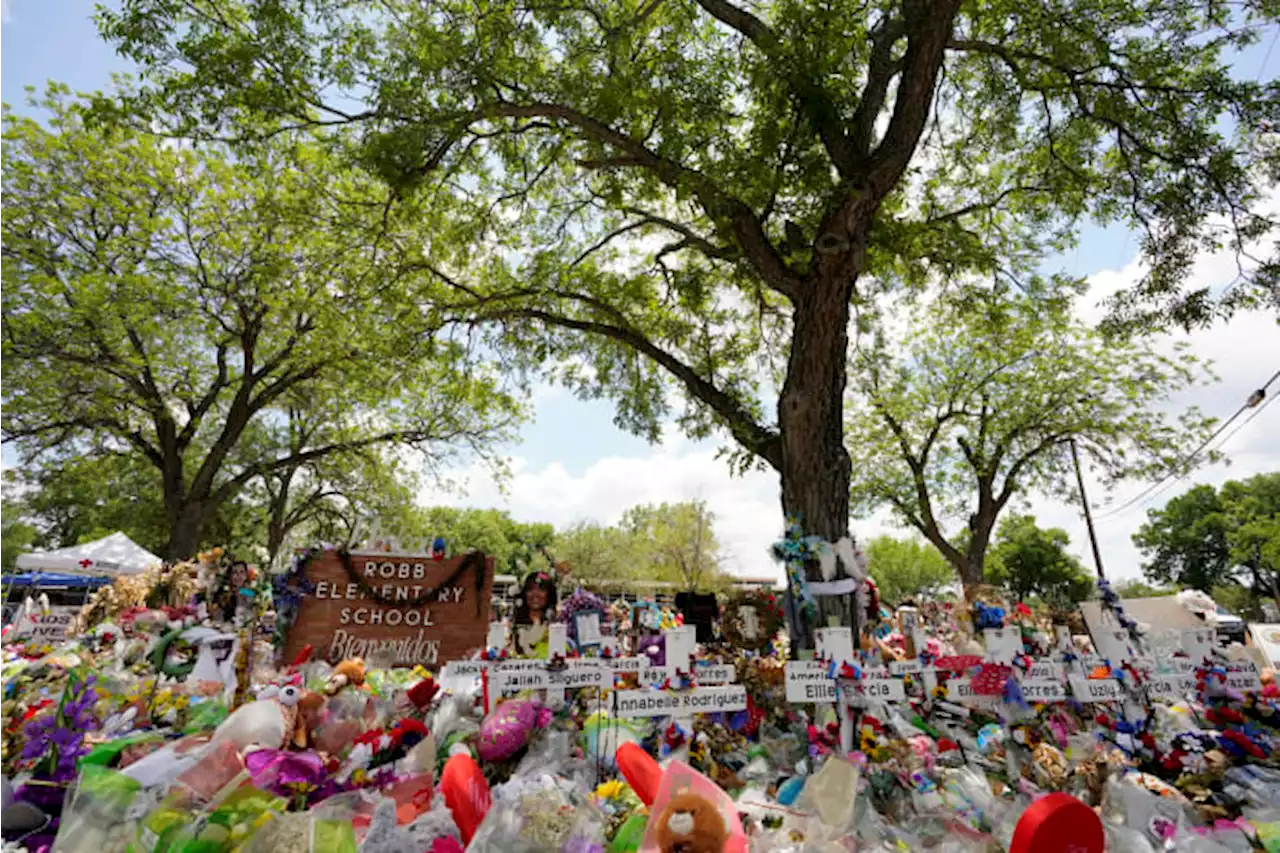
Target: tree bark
x=186, y=525
x=815, y=470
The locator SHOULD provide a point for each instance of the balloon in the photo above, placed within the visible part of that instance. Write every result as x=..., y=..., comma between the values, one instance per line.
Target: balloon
x=507, y=729
x=640, y=770
x=1057, y=823
x=466, y=793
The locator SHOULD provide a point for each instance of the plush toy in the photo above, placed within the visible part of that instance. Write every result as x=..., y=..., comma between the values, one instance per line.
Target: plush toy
x=348, y=673
x=269, y=722
x=691, y=824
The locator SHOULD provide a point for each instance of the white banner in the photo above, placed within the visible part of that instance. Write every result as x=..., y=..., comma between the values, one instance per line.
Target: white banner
x=49, y=627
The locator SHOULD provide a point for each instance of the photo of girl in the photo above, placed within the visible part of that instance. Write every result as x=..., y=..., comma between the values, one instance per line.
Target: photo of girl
x=536, y=607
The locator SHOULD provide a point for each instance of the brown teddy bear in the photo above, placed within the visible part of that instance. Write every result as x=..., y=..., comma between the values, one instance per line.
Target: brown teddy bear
x=349, y=672
x=691, y=824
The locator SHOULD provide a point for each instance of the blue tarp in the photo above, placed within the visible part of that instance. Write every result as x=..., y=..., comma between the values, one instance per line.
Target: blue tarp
x=52, y=579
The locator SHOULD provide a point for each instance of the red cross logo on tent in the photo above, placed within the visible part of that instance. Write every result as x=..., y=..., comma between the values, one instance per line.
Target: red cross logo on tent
x=86, y=563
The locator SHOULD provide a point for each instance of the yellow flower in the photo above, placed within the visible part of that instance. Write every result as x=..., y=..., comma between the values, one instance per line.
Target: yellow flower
x=940, y=692
x=609, y=790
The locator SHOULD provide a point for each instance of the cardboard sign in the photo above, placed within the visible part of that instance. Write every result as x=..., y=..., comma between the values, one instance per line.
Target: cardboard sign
x=48, y=627
x=1096, y=689
x=342, y=621
x=666, y=703
x=807, y=682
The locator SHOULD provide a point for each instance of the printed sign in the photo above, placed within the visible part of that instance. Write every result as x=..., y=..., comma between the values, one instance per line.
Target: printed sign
x=750, y=622
x=807, y=682
x=961, y=691
x=709, y=673
x=665, y=703
x=905, y=667
x=1043, y=690
x=459, y=675
x=1172, y=686
x=629, y=664
x=1096, y=689
x=1244, y=677
x=47, y=627
x=1044, y=670
x=414, y=610
x=873, y=689
x=515, y=676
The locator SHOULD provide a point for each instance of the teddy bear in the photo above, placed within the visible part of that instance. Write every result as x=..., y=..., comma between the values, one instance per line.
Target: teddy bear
x=691, y=824
x=349, y=672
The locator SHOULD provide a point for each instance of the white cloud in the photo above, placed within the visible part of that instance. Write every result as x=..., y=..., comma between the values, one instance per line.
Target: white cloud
x=1244, y=351
x=6, y=12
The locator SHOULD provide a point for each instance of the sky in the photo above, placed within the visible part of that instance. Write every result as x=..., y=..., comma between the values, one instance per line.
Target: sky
x=573, y=464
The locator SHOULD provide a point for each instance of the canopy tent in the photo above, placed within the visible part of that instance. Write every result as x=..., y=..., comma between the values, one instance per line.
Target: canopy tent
x=116, y=554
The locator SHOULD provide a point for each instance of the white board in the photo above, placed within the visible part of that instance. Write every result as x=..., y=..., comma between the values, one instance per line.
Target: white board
x=685, y=703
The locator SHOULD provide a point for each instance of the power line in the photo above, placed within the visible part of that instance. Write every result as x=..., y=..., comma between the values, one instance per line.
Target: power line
x=1180, y=469
x=1245, y=422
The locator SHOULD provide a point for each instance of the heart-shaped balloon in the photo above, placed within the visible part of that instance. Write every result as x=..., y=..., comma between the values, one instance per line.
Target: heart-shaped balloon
x=507, y=729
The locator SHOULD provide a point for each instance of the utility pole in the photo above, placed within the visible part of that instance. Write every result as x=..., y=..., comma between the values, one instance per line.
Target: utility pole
x=1088, y=516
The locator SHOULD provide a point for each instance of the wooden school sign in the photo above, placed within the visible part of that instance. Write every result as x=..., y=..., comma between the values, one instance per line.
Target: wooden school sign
x=411, y=609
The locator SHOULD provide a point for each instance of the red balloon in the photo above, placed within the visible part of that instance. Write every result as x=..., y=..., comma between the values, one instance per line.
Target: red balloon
x=640, y=770
x=466, y=793
x=1058, y=823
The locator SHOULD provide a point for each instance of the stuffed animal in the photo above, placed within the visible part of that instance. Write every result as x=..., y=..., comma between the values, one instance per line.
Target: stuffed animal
x=269, y=722
x=691, y=824
x=348, y=673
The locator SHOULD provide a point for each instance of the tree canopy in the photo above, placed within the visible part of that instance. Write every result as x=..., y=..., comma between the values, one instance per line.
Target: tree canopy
x=1028, y=560
x=643, y=197
x=174, y=301
x=974, y=403
x=669, y=543
x=1207, y=537
x=907, y=569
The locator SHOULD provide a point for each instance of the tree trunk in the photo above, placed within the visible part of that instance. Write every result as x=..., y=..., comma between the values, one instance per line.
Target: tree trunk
x=186, y=526
x=815, y=464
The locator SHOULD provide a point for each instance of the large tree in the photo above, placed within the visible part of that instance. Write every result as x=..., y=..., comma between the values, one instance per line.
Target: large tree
x=169, y=301
x=975, y=402
x=698, y=194
x=1207, y=537
x=1031, y=560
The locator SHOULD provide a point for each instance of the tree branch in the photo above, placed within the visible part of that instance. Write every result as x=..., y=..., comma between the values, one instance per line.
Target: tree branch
x=747, y=228
x=817, y=105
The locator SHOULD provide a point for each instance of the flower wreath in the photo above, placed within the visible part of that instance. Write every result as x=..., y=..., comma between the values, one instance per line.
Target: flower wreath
x=768, y=612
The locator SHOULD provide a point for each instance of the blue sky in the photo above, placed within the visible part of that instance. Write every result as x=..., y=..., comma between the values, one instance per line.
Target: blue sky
x=574, y=464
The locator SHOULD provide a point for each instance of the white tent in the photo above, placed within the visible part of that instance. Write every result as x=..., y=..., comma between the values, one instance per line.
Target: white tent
x=116, y=554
